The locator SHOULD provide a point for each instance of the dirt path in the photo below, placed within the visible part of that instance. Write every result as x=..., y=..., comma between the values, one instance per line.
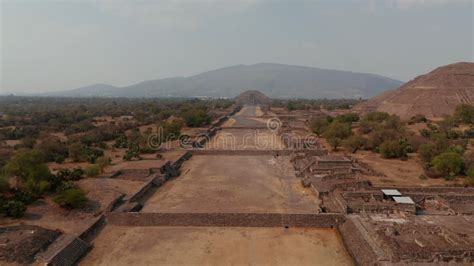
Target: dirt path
x=226, y=184
x=217, y=246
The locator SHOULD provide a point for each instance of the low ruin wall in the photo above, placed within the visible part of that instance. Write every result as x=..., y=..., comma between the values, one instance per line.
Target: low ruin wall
x=249, y=128
x=88, y=234
x=244, y=152
x=220, y=121
x=186, y=156
x=70, y=253
x=322, y=220
x=138, y=195
x=434, y=190
x=357, y=243
x=380, y=207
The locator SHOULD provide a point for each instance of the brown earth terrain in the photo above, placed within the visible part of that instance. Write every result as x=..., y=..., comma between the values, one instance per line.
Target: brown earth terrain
x=234, y=184
x=217, y=246
x=226, y=184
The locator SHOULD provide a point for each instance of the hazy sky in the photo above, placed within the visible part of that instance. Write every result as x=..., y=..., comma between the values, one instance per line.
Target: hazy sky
x=56, y=45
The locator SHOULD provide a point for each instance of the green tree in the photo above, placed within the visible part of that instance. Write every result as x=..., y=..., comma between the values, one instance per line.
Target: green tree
x=29, y=168
x=336, y=132
x=196, y=118
x=347, y=118
x=170, y=130
x=77, y=152
x=354, y=143
x=448, y=163
x=52, y=149
x=427, y=151
x=71, y=198
x=14, y=208
x=464, y=113
x=319, y=124
x=394, y=149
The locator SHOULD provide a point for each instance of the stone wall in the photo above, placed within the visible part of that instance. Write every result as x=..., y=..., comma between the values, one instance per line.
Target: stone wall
x=186, y=156
x=220, y=121
x=433, y=190
x=357, y=243
x=323, y=220
x=70, y=251
x=372, y=202
x=244, y=152
x=90, y=233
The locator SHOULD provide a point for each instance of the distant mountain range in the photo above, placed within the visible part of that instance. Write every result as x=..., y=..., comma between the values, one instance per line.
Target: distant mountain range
x=274, y=80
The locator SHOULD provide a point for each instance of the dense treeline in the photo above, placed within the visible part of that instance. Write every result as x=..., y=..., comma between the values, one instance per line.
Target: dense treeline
x=315, y=104
x=81, y=130
x=78, y=113
x=442, y=146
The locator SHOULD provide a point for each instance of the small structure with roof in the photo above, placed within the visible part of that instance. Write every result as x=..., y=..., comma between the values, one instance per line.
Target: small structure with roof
x=403, y=200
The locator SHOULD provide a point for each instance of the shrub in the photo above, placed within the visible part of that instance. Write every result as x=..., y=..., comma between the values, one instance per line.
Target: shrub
x=66, y=185
x=71, y=198
x=132, y=153
x=424, y=132
x=419, y=118
x=103, y=162
x=453, y=134
x=394, y=149
x=464, y=113
x=377, y=116
x=121, y=142
x=469, y=133
x=23, y=196
x=52, y=149
x=66, y=174
x=366, y=126
x=169, y=130
x=92, y=170
x=423, y=177
x=470, y=176
x=338, y=130
x=77, y=152
x=4, y=184
x=93, y=154
x=354, y=143
x=14, y=208
x=347, y=118
x=28, y=166
x=450, y=163
x=456, y=148
x=196, y=118
x=319, y=124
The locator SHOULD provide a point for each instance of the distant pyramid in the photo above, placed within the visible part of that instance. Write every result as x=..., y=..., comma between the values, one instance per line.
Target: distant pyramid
x=433, y=95
x=253, y=97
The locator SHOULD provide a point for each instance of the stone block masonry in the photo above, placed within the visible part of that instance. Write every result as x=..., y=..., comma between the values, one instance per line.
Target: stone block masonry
x=320, y=220
x=245, y=152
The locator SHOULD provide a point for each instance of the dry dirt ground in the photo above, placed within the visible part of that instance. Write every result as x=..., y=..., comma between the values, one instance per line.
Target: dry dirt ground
x=216, y=246
x=243, y=139
x=234, y=184
x=101, y=192
x=398, y=172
